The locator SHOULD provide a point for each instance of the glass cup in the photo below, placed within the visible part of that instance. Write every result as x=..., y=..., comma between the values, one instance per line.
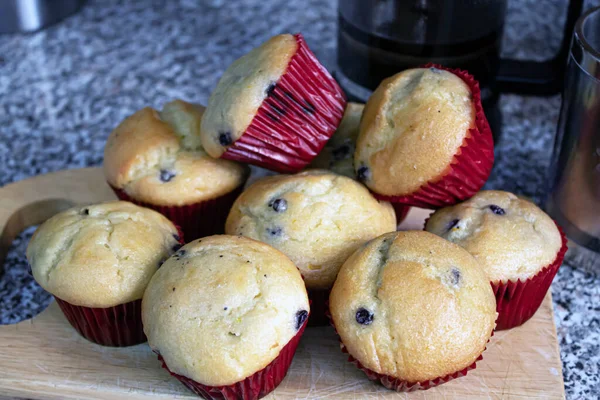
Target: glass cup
x=574, y=196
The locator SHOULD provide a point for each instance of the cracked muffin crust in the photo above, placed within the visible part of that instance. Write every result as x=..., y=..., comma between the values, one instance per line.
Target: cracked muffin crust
x=510, y=237
x=413, y=306
x=338, y=153
x=222, y=308
x=411, y=129
x=156, y=157
x=317, y=218
x=101, y=255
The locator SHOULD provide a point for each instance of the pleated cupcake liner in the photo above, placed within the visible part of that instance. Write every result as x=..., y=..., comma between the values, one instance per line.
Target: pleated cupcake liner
x=117, y=326
x=297, y=118
x=517, y=301
x=401, y=211
x=397, y=384
x=197, y=220
x=400, y=385
x=253, y=387
x=470, y=168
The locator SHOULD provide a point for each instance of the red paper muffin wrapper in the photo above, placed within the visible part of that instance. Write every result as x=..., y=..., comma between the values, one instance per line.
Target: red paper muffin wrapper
x=401, y=211
x=470, y=167
x=197, y=220
x=397, y=384
x=516, y=302
x=253, y=387
x=400, y=385
x=117, y=326
x=297, y=118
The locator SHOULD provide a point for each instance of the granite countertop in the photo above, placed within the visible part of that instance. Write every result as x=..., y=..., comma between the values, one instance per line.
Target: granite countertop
x=63, y=90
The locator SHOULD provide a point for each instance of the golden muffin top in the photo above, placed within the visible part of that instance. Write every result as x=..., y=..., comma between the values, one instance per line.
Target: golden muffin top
x=101, y=255
x=510, y=237
x=317, y=218
x=222, y=308
x=156, y=157
x=413, y=306
x=411, y=128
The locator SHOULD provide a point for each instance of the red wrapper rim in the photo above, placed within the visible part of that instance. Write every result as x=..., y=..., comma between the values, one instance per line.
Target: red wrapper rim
x=212, y=213
x=117, y=326
x=295, y=120
x=517, y=301
x=471, y=166
x=397, y=384
x=401, y=211
x=253, y=387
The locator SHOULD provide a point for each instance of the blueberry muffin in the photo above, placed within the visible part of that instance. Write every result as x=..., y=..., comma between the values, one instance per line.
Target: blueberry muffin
x=511, y=238
x=410, y=307
x=338, y=153
x=154, y=158
x=423, y=138
x=224, y=313
x=274, y=107
x=97, y=261
x=317, y=218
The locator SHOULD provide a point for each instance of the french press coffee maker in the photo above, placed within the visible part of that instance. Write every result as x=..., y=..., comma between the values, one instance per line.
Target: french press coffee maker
x=379, y=38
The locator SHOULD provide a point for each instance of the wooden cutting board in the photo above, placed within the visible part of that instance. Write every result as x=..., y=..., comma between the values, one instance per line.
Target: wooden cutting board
x=44, y=358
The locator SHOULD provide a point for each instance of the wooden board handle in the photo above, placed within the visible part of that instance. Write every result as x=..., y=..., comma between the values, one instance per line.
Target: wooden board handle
x=32, y=201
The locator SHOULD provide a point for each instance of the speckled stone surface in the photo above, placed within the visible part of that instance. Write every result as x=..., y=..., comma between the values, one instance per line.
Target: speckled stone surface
x=62, y=91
